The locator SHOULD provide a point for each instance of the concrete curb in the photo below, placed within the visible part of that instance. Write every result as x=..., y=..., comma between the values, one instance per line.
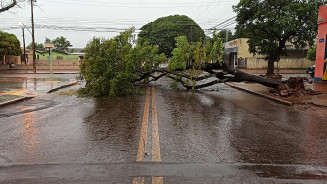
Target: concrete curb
x=31, y=97
x=16, y=100
x=43, y=73
x=61, y=87
x=284, y=102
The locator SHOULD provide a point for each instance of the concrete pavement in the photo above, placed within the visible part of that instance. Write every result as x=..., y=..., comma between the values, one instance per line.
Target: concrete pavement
x=260, y=90
x=21, y=86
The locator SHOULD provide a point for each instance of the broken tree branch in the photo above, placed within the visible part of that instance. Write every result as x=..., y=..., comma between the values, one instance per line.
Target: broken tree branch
x=7, y=7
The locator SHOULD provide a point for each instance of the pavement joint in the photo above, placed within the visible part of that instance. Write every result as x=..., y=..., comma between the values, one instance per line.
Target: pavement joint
x=284, y=102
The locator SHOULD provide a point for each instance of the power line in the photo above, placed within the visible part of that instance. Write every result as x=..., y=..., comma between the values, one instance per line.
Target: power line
x=230, y=19
x=128, y=5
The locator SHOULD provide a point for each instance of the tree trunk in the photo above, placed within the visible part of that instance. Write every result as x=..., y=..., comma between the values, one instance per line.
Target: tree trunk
x=242, y=76
x=270, y=69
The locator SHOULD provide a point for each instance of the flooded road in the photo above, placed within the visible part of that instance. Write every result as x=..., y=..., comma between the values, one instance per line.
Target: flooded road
x=15, y=86
x=162, y=136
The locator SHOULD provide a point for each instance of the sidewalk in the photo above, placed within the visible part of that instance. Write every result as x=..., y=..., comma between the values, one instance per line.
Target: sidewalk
x=281, y=71
x=16, y=87
x=38, y=71
x=260, y=90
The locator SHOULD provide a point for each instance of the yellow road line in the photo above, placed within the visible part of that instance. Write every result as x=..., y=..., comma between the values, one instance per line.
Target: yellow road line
x=157, y=180
x=16, y=92
x=144, y=129
x=138, y=181
x=156, y=156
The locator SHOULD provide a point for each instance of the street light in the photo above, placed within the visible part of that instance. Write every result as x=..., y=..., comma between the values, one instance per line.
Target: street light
x=23, y=26
x=20, y=23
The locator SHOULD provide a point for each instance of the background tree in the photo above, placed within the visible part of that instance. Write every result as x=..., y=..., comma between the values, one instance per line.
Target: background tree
x=61, y=43
x=312, y=53
x=270, y=24
x=38, y=46
x=9, y=45
x=7, y=4
x=163, y=31
x=47, y=40
x=223, y=33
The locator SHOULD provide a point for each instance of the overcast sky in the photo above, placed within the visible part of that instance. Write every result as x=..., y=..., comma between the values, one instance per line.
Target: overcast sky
x=80, y=20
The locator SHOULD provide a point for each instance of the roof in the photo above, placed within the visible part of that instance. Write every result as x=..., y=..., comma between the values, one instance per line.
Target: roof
x=77, y=53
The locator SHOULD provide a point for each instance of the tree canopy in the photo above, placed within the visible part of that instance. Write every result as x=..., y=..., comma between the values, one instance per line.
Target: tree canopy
x=163, y=31
x=270, y=24
x=9, y=45
x=60, y=43
x=38, y=46
x=222, y=34
x=312, y=53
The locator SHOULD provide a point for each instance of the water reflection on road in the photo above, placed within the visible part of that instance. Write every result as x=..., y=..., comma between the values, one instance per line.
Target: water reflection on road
x=202, y=135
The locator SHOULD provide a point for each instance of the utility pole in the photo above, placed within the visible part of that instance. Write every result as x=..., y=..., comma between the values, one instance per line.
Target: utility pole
x=33, y=38
x=24, y=57
x=226, y=36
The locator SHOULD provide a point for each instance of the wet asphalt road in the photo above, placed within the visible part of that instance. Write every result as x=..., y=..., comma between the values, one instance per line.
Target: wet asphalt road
x=163, y=136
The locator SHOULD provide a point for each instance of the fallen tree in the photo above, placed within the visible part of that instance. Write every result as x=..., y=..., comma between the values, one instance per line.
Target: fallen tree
x=4, y=6
x=113, y=67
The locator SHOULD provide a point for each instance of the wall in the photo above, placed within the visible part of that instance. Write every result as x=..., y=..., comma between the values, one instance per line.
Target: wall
x=73, y=62
x=284, y=63
x=40, y=67
x=44, y=65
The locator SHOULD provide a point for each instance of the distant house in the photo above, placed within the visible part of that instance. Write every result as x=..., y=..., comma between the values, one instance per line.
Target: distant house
x=237, y=55
x=57, y=55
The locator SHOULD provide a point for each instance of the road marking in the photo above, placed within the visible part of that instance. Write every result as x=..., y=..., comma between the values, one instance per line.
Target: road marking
x=25, y=91
x=156, y=156
x=157, y=180
x=144, y=129
x=138, y=181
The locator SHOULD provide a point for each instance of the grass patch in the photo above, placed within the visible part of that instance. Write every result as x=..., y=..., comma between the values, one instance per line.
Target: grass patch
x=71, y=92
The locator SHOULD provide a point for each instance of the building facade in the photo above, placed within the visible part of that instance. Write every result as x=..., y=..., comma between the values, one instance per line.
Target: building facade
x=237, y=55
x=321, y=54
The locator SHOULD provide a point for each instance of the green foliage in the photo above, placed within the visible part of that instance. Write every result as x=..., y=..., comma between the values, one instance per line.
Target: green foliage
x=215, y=49
x=163, y=31
x=60, y=43
x=174, y=85
x=181, y=54
x=38, y=46
x=47, y=40
x=222, y=34
x=270, y=24
x=197, y=54
x=111, y=66
x=312, y=53
x=9, y=45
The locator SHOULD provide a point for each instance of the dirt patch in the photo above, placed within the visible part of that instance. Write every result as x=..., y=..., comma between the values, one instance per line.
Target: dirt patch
x=316, y=110
x=293, y=87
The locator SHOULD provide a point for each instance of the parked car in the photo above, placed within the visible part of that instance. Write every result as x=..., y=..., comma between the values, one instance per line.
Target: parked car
x=311, y=70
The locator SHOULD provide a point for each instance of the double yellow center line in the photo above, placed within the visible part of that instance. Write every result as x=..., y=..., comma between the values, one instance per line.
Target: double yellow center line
x=156, y=156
